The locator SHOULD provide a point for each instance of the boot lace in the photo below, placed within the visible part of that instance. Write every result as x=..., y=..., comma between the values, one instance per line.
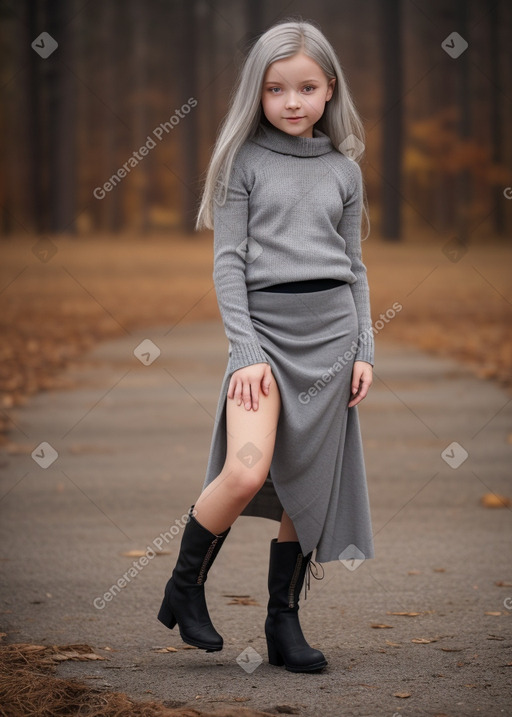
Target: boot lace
x=312, y=569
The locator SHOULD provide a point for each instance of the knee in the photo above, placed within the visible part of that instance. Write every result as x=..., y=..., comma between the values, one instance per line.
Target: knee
x=244, y=483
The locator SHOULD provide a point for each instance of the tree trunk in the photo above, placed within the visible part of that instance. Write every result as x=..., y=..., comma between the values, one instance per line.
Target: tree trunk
x=392, y=120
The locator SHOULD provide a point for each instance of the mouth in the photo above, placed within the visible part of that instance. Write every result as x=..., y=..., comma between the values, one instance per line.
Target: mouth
x=293, y=119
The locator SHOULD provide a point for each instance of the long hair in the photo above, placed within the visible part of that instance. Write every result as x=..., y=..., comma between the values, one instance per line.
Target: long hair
x=339, y=120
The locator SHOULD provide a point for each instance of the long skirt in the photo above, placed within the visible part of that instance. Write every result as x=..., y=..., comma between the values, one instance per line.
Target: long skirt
x=317, y=474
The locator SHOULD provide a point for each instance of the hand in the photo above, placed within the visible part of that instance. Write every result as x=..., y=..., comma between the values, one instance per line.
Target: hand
x=362, y=377
x=245, y=384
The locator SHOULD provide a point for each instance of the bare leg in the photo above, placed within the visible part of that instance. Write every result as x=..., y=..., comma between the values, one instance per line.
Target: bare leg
x=251, y=434
x=286, y=530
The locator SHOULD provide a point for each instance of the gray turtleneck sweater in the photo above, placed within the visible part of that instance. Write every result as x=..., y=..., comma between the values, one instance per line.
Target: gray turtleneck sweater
x=292, y=212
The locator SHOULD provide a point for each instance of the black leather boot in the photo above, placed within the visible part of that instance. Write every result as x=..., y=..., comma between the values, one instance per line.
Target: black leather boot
x=184, y=601
x=285, y=642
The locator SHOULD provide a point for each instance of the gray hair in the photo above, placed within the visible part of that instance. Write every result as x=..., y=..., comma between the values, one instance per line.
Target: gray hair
x=285, y=39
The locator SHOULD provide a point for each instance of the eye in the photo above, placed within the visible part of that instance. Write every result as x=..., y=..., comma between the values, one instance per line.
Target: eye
x=309, y=89
x=274, y=90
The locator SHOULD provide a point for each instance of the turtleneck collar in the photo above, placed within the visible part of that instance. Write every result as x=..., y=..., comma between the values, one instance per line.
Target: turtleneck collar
x=276, y=140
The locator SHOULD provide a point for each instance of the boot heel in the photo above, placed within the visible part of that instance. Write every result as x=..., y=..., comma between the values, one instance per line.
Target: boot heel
x=166, y=616
x=274, y=657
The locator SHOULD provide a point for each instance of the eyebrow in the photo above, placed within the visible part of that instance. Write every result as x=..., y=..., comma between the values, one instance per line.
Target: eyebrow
x=277, y=82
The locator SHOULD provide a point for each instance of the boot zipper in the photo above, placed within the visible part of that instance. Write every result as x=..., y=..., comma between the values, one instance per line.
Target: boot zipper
x=206, y=560
x=293, y=583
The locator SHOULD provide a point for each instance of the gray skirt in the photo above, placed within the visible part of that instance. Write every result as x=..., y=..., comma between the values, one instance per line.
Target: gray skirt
x=317, y=474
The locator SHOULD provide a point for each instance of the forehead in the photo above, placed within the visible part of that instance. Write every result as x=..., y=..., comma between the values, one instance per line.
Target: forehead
x=295, y=68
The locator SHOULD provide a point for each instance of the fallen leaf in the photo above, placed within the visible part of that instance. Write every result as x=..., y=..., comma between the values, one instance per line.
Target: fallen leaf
x=495, y=613
x=393, y=644
x=244, y=601
x=439, y=570
x=493, y=500
x=414, y=572
x=423, y=640
x=403, y=695
x=166, y=649
x=452, y=649
x=142, y=553
x=381, y=626
x=408, y=614
x=503, y=584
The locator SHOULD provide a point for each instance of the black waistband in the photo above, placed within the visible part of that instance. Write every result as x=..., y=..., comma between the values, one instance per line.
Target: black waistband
x=298, y=287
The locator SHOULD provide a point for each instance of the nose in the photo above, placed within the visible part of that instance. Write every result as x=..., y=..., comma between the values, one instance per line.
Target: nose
x=292, y=100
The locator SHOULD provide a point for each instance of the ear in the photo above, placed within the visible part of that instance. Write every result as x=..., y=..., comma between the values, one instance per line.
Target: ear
x=330, y=89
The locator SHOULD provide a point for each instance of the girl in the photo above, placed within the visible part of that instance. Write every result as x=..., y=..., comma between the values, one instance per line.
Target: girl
x=285, y=204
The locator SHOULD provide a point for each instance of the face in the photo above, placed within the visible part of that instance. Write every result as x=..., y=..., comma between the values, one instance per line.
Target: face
x=294, y=94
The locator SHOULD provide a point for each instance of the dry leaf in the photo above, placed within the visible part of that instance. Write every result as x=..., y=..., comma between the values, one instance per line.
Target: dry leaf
x=452, y=649
x=407, y=614
x=393, y=644
x=414, y=572
x=403, y=695
x=493, y=500
x=423, y=640
x=380, y=626
x=244, y=601
x=503, y=584
x=142, y=553
x=166, y=649
x=439, y=570
x=495, y=613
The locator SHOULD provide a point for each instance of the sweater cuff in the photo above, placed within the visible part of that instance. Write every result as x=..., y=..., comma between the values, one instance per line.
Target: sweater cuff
x=241, y=355
x=365, y=352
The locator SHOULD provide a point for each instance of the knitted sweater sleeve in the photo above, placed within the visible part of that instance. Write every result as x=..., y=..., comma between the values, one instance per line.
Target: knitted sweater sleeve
x=350, y=229
x=230, y=239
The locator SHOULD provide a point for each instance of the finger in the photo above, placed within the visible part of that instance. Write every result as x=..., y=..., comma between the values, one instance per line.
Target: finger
x=231, y=388
x=246, y=395
x=255, y=392
x=266, y=381
x=237, y=395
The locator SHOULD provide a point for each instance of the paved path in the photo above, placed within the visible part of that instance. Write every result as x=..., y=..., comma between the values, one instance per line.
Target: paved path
x=132, y=443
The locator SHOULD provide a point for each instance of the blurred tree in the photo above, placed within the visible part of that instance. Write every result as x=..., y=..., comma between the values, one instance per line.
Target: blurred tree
x=60, y=124
x=392, y=132
x=186, y=67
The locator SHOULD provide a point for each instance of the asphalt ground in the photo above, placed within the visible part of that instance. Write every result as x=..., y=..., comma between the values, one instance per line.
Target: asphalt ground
x=132, y=443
